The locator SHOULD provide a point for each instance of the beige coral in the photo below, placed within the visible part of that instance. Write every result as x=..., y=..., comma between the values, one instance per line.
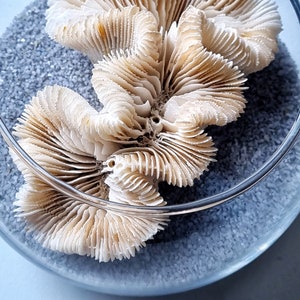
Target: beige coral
x=105, y=34
x=62, y=13
x=162, y=79
x=66, y=145
x=243, y=31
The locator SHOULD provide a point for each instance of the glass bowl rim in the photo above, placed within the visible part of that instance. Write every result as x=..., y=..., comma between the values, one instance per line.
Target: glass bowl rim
x=167, y=210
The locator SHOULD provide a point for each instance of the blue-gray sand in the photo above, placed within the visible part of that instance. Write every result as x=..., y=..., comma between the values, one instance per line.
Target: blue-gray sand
x=194, y=248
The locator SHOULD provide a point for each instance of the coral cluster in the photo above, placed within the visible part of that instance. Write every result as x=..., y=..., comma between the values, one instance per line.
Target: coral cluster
x=163, y=71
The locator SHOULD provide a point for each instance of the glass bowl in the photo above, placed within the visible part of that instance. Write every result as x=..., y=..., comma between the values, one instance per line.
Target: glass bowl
x=209, y=237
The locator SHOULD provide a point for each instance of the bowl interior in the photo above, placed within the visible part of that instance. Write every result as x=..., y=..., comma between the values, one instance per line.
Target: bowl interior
x=195, y=249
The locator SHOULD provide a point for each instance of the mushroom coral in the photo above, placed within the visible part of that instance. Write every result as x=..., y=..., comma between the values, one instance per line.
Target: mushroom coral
x=161, y=83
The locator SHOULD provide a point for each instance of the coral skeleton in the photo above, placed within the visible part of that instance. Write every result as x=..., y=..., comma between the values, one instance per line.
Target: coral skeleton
x=163, y=72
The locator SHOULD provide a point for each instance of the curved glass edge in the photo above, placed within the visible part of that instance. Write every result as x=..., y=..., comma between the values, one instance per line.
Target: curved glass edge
x=167, y=210
x=254, y=252
x=296, y=5
x=241, y=262
x=263, y=244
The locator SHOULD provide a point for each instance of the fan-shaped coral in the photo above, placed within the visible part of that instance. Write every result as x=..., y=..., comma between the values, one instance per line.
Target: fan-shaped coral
x=64, y=145
x=164, y=71
x=243, y=31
